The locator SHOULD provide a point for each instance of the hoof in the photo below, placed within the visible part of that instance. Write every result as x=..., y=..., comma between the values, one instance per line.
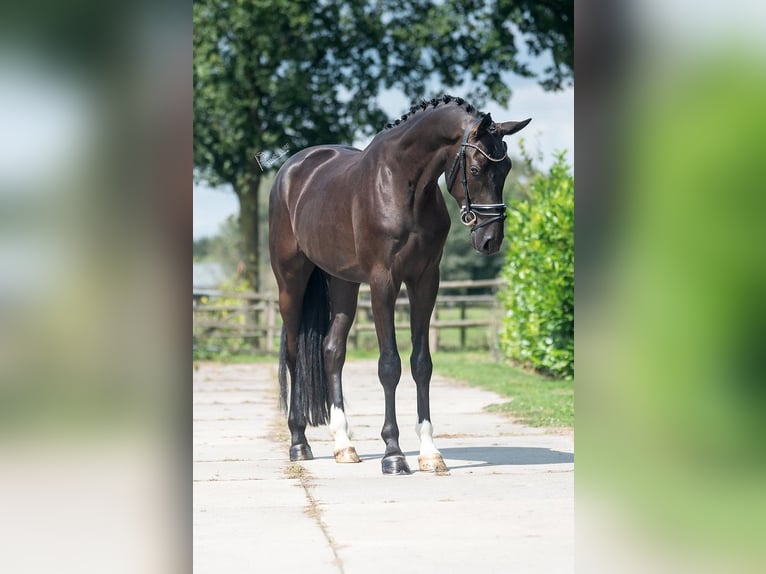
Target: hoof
x=347, y=454
x=432, y=463
x=395, y=464
x=300, y=452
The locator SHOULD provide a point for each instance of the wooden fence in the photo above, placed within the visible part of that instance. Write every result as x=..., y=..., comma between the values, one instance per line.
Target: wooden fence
x=467, y=315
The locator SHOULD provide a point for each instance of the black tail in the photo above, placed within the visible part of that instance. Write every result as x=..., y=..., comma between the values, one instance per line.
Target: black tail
x=312, y=396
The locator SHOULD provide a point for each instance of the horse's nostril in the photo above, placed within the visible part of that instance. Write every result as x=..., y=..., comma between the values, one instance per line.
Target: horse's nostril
x=485, y=246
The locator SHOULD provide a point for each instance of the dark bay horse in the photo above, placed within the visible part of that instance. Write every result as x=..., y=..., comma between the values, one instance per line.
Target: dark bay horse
x=338, y=217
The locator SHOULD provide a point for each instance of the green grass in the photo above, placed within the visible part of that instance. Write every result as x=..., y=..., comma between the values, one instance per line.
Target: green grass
x=361, y=354
x=535, y=400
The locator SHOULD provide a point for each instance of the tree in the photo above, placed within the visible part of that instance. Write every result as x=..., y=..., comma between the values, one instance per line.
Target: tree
x=274, y=76
x=221, y=248
x=201, y=248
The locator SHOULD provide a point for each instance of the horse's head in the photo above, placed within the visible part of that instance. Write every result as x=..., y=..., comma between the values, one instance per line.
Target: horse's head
x=475, y=179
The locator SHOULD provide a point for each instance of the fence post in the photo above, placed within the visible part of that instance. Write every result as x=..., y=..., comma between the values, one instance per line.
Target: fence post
x=433, y=333
x=462, y=329
x=256, y=315
x=494, y=328
x=270, y=323
x=354, y=337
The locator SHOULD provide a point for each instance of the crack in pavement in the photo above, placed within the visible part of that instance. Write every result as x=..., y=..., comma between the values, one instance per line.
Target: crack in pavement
x=297, y=471
x=314, y=511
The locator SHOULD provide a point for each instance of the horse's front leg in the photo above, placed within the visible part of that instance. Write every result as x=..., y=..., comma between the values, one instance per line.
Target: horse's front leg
x=422, y=294
x=383, y=293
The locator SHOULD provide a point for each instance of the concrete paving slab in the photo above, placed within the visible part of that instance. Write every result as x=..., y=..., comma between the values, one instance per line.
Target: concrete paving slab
x=506, y=506
x=241, y=526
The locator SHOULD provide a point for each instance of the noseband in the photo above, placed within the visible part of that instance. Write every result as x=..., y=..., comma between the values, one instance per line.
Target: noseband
x=470, y=212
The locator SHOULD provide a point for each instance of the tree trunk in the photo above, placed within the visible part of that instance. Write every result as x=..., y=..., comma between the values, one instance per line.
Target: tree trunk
x=249, y=247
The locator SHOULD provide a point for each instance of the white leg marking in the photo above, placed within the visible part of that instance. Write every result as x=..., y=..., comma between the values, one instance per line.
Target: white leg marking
x=339, y=428
x=425, y=431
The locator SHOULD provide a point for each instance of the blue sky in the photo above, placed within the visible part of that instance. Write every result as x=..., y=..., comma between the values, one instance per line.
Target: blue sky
x=552, y=129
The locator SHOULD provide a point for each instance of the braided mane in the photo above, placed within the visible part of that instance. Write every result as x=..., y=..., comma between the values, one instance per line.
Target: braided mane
x=426, y=104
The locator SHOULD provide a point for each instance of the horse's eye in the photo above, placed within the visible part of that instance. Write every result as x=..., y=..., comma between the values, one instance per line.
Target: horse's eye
x=474, y=170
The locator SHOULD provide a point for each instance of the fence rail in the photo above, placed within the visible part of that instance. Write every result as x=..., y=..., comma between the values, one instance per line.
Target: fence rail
x=466, y=315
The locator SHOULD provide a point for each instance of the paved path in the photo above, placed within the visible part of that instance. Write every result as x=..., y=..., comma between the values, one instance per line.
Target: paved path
x=507, y=505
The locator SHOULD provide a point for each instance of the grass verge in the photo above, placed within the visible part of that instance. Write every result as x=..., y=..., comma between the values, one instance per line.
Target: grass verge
x=535, y=400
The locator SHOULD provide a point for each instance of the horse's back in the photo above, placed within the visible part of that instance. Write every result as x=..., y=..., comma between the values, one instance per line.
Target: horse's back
x=314, y=168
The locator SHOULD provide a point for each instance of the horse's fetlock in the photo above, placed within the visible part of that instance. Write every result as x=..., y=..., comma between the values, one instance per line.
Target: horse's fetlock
x=390, y=433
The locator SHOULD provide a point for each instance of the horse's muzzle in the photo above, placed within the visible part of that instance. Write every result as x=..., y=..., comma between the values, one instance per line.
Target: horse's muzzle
x=486, y=243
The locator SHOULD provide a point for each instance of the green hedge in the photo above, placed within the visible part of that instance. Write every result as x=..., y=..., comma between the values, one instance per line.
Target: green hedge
x=208, y=346
x=538, y=327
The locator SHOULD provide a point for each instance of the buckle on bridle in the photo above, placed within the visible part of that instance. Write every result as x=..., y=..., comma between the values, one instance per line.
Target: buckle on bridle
x=468, y=217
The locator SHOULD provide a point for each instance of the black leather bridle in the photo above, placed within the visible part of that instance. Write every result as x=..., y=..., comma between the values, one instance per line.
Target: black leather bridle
x=470, y=212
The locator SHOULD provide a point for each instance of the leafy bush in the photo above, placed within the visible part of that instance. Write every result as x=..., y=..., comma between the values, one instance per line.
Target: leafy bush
x=209, y=343
x=538, y=327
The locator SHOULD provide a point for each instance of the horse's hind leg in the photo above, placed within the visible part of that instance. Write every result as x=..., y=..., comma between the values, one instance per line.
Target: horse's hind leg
x=292, y=278
x=343, y=296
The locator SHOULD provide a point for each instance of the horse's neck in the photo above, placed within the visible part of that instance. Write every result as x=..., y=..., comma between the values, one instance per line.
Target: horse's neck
x=426, y=144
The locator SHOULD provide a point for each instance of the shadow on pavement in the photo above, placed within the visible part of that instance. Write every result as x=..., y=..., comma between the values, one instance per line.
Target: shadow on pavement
x=504, y=456
x=490, y=456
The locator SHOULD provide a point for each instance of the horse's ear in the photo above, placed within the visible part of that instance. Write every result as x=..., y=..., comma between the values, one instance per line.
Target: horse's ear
x=484, y=124
x=508, y=128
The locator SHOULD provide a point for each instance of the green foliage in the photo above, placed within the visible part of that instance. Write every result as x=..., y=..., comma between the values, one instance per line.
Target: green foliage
x=208, y=344
x=201, y=248
x=222, y=247
x=538, y=327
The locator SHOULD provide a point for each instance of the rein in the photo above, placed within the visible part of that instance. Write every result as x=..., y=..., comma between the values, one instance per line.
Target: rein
x=470, y=212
